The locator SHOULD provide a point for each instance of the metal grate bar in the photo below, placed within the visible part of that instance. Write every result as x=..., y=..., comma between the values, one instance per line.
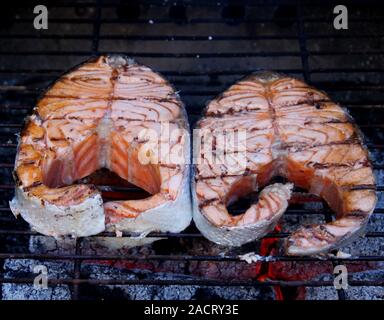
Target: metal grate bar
x=280, y=235
x=192, y=55
x=197, y=282
x=164, y=257
x=201, y=21
x=181, y=38
x=303, y=44
x=205, y=3
x=96, y=28
x=238, y=72
x=76, y=270
x=161, y=55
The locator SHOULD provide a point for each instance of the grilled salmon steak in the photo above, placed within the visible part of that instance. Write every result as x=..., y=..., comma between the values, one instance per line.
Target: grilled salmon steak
x=272, y=125
x=107, y=113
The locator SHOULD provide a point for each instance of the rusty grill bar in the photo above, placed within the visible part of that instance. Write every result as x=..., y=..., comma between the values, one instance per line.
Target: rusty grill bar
x=17, y=98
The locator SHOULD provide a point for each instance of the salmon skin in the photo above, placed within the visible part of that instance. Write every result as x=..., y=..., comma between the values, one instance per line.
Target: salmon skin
x=290, y=130
x=113, y=113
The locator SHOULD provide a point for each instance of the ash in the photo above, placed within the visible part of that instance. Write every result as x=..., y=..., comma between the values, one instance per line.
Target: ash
x=24, y=268
x=96, y=270
x=173, y=292
x=352, y=293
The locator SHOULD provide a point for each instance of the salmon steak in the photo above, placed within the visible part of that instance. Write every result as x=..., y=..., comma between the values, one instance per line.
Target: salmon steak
x=269, y=125
x=113, y=113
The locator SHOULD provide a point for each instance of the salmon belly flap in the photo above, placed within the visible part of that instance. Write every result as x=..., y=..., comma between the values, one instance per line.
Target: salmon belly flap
x=281, y=127
x=108, y=113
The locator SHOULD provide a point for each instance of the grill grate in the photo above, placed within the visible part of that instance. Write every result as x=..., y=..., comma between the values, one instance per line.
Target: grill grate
x=200, y=53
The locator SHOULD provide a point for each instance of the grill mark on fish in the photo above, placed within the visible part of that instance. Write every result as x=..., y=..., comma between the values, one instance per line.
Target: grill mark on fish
x=318, y=104
x=294, y=149
x=361, y=187
x=246, y=173
x=233, y=112
x=32, y=186
x=208, y=202
x=318, y=165
x=152, y=121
